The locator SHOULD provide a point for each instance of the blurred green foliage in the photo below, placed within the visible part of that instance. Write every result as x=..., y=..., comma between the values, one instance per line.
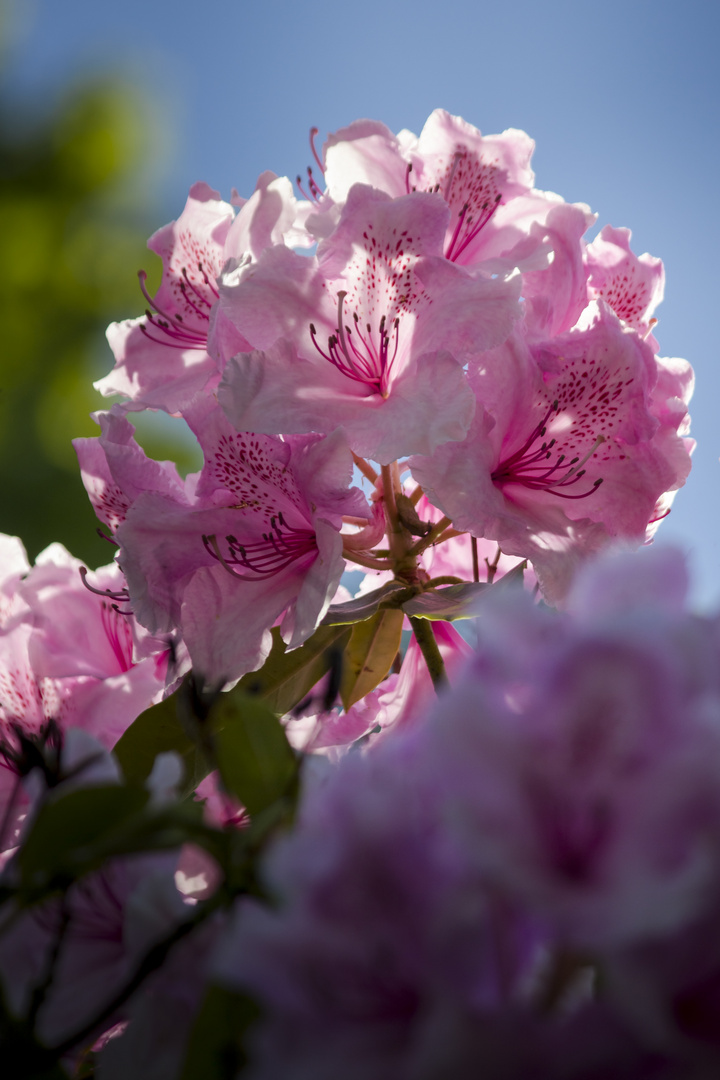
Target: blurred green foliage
x=73, y=227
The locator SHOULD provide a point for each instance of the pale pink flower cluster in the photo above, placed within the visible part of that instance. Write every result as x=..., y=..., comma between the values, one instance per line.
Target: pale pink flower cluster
x=424, y=309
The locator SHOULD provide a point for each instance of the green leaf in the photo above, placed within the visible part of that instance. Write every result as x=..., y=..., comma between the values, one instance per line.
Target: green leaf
x=256, y=762
x=64, y=836
x=215, y=1050
x=355, y=611
x=369, y=655
x=451, y=602
x=460, y=601
x=156, y=731
x=160, y=828
x=287, y=677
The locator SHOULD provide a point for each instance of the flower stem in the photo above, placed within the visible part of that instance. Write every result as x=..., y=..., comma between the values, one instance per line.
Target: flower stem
x=492, y=566
x=437, y=531
x=448, y=535
x=367, y=560
x=423, y=631
x=389, y=492
x=366, y=469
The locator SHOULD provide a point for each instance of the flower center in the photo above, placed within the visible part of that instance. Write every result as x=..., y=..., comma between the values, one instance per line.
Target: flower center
x=279, y=547
x=174, y=330
x=364, y=356
x=470, y=188
x=540, y=466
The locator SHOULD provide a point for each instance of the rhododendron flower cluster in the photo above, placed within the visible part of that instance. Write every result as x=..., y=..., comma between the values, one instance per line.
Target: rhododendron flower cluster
x=452, y=322
x=261, y=818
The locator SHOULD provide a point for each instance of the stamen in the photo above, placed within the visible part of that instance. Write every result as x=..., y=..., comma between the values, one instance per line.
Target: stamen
x=313, y=186
x=367, y=362
x=529, y=465
x=313, y=136
x=267, y=557
x=104, y=536
x=472, y=227
x=173, y=327
x=301, y=189
x=651, y=326
x=184, y=285
x=201, y=297
x=456, y=233
x=659, y=517
x=121, y=595
x=315, y=190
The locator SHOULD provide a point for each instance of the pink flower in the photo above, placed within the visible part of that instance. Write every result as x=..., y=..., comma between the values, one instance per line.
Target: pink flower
x=633, y=287
x=68, y=658
x=255, y=536
x=568, y=448
x=581, y=754
x=113, y=917
x=475, y=174
x=497, y=222
x=69, y=654
x=116, y=453
x=371, y=335
x=163, y=358
x=381, y=958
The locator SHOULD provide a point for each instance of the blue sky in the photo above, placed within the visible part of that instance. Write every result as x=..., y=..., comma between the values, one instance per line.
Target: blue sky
x=621, y=97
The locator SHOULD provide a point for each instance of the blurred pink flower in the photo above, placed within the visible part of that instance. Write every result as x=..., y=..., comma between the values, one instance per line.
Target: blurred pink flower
x=581, y=753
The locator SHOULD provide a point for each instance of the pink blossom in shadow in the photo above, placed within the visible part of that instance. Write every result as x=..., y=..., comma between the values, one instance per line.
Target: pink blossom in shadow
x=381, y=957
x=77, y=656
x=582, y=755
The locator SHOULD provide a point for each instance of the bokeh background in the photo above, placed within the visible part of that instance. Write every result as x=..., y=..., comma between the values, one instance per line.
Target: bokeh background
x=109, y=112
